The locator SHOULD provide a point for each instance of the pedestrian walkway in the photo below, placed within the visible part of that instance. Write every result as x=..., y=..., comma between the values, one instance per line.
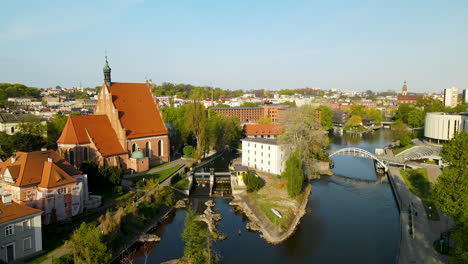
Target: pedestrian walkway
x=415, y=246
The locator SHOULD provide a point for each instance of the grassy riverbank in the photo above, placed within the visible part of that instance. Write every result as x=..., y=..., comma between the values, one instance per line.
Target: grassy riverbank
x=418, y=183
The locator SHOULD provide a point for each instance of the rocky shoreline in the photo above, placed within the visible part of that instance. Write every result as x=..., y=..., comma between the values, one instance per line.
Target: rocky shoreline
x=259, y=222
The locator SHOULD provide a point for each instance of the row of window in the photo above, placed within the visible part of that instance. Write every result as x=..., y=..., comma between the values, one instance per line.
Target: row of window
x=25, y=225
x=255, y=153
x=255, y=145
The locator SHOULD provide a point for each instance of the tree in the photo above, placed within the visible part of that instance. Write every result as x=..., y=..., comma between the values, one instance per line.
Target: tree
x=455, y=151
x=32, y=125
x=196, y=240
x=293, y=173
x=87, y=245
x=416, y=118
x=398, y=130
x=112, y=174
x=290, y=103
x=252, y=182
x=357, y=110
x=327, y=116
x=402, y=112
x=55, y=128
x=264, y=120
x=302, y=131
x=27, y=142
x=376, y=114
x=405, y=140
x=353, y=121
x=249, y=104
x=195, y=122
x=222, y=105
x=449, y=193
x=188, y=151
x=95, y=179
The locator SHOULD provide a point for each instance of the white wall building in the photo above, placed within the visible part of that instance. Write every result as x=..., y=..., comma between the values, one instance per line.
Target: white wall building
x=263, y=154
x=440, y=127
x=20, y=230
x=451, y=96
x=465, y=96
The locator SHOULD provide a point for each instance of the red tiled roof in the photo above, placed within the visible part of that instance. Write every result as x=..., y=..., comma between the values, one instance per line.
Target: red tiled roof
x=266, y=130
x=100, y=130
x=14, y=210
x=138, y=112
x=32, y=168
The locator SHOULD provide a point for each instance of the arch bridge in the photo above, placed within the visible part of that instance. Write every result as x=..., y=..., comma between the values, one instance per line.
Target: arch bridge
x=359, y=153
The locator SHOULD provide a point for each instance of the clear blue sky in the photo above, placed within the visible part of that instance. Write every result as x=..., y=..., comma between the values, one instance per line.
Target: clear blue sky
x=349, y=45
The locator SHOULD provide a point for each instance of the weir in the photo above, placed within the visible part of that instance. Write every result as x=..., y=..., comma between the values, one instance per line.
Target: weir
x=219, y=182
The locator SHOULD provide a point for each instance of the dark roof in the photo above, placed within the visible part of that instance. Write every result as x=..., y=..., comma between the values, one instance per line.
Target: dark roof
x=13, y=118
x=261, y=140
x=234, y=108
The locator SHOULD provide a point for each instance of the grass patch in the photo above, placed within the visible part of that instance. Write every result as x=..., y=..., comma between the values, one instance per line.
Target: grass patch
x=433, y=162
x=266, y=206
x=418, y=183
x=401, y=149
x=160, y=175
x=160, y=165
x=183, y=184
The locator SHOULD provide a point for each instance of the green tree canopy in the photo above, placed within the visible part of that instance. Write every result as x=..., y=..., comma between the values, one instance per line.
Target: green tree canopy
x=353, y=121
x=32, y=125
x=195, y=237
x=357, y=110
x=398, y=130
x=87, y=245
x=293, y=173
x=327, y=116
x=250, y=104
x=455, y=151
x=416, y=118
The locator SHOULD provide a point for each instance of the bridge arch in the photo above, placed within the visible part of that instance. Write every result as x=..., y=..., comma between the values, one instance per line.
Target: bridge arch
x=359, y=153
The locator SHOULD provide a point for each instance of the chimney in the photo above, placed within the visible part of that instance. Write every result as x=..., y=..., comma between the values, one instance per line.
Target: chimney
x=49, y=159
x=6, y=198
x=43, y=149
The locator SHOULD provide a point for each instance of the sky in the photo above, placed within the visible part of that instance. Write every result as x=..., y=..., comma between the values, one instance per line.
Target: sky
x=285, y=44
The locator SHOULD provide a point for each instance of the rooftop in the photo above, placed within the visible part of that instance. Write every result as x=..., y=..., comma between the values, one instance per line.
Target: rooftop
x=14, y=211
x=269, y=141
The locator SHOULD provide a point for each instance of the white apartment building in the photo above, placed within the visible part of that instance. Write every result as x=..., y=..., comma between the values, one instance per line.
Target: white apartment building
x=465, y=96
x=263, y=154
x=451, y=96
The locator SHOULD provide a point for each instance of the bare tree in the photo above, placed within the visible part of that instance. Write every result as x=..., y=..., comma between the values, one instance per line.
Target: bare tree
x=302, y=130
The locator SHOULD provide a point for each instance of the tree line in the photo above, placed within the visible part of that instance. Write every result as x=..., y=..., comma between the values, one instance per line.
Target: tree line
x=8, y=90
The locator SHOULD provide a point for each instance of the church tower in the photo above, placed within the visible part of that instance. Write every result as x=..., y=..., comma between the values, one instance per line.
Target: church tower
x=107, y=74
x=404, y=90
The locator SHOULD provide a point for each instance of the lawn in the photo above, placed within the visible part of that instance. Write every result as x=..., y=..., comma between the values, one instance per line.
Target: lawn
x=266, y=205
x=401, y=149
x=418, y=183
x=183, y=184
x=161, y=175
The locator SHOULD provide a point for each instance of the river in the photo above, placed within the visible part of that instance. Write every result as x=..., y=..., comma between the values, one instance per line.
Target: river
x=351, y=217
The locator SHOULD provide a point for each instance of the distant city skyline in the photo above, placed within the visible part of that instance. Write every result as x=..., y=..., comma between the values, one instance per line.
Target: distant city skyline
x=348, y=45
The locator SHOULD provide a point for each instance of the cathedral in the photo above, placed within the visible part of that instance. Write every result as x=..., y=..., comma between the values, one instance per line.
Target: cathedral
x=126, y=130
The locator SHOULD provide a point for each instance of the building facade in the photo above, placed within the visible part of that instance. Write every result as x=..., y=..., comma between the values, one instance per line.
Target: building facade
x=263, y=154
x=9, y=122
x=44, y=180
x=127, y=119
x=404, y=98
x=20, y=230
x=451, y=96
x=440, y=127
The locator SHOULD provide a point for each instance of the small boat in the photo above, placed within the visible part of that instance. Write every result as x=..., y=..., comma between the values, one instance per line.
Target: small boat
x=276, y=213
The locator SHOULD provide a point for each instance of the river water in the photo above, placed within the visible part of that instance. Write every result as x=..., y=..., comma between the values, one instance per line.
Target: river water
x=351, y=217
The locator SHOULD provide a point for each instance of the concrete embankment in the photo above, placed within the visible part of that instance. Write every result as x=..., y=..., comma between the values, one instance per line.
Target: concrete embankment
x=416, y=234
x=271, y=233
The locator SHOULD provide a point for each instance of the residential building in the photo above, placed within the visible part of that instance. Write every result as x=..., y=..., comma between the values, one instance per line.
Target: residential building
x=20, y=230
x=274, y=111
x=9, y=122
x=440, y=127
x=263, y=154
x=451, y=96
x=339, y=117
x=20, y=101
x=44, y=180
x=127, y=119
x=465, y=96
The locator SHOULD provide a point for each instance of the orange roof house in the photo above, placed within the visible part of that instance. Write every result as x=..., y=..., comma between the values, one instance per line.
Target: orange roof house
x=44, y=180
x=127, y=119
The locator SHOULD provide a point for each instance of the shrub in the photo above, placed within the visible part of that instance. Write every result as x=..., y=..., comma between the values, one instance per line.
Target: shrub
x=176, y=178
x=252, y=182
x=188, y=151
x=405, y=140
x=64, y=259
